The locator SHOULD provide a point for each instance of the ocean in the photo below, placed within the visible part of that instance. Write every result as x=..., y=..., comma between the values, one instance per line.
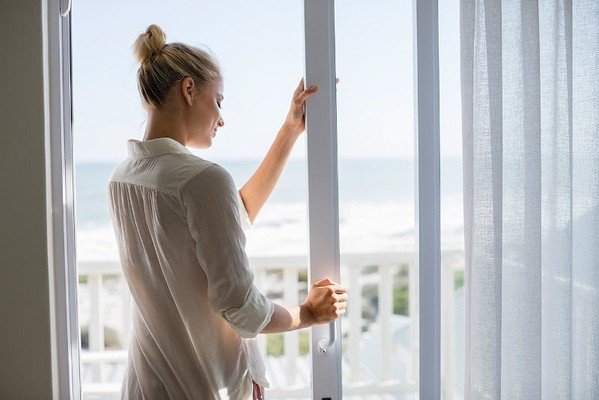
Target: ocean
x=376, y=208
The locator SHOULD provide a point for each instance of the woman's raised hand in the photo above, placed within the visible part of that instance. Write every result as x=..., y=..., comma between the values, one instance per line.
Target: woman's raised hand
x=296, y=118
x=326, y=301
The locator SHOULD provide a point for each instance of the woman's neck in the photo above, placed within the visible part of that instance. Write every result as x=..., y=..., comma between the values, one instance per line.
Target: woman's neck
x=165, y=124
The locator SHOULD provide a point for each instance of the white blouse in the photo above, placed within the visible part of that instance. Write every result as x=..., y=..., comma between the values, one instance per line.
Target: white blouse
x=179, y=222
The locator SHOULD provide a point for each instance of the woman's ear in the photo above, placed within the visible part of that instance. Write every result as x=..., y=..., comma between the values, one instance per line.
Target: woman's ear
x=187, y=87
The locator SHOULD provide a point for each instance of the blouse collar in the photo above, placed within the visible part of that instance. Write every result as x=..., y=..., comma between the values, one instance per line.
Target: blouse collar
x=153, y=147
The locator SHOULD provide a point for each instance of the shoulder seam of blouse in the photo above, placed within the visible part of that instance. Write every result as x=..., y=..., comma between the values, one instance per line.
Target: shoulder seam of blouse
x=196, y=172
x=177, y=194
x=143, y=186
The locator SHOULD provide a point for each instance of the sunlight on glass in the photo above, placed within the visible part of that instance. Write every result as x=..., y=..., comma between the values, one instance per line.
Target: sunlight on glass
x=376, y=198
x=452, y=216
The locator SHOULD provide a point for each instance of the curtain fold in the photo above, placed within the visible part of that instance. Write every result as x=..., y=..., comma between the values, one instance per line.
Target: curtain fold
x=530, y=118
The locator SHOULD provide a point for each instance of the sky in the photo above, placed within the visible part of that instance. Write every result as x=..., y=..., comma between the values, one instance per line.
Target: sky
x=259, y=45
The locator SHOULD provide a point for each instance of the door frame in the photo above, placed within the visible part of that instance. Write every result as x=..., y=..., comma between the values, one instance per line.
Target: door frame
x=60, y=196
x=428, y=194
x=323, y=203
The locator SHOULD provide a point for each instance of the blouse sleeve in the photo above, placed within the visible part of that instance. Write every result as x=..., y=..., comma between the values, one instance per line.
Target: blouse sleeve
x=243, y=214
x=211, y=201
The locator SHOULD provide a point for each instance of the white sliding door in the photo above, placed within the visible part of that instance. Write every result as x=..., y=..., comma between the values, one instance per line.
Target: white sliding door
x=389, y=250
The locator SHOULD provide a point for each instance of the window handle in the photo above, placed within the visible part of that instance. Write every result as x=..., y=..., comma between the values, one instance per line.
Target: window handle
x=65, y=7
x=325, y=343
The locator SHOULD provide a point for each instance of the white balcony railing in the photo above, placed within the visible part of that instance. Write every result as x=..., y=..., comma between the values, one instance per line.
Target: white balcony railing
x=105, y=307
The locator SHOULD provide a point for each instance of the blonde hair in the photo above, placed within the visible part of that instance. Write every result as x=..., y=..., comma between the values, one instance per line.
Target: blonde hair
x=164, y=64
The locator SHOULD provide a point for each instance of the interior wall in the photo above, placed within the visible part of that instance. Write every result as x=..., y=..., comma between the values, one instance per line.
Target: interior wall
x=25, y=367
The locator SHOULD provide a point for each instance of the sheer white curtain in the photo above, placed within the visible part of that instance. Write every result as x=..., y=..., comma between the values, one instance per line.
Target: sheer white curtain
x=530, y=101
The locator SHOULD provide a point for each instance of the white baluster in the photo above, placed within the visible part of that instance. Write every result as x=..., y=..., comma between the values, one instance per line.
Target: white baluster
x=355, y=320
x=447, y=278
x=290, y=294
x=413, y=306
x=260, y=276
x=385, y=312
x=96, y=320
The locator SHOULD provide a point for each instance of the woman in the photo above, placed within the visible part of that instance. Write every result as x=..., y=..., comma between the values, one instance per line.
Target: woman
x=179, y=224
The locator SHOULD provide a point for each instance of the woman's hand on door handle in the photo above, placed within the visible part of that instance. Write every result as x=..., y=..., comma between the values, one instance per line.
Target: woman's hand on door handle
x=326, y=301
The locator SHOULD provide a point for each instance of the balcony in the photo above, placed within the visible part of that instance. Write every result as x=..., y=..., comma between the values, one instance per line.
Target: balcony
x=380, y=347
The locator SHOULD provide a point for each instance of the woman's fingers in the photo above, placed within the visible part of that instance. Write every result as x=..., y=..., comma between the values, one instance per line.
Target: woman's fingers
x=340, y=303
x=299, y=100
x=339, y=288
x=322, y=282
x=327, y=282
x=340, y=299
x=334, y=286
x=343, y=297
x=299, y=91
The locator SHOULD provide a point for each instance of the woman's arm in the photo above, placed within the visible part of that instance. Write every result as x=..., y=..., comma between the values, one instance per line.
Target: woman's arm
x=286, y=319
x=261, y=184
x=325, y=302
x=259, y=187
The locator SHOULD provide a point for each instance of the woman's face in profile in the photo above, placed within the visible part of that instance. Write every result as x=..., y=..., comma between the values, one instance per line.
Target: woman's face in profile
x=205, y=118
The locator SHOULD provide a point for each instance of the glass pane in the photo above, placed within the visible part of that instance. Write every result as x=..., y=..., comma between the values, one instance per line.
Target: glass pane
x=452, y=217
x=260, y=47
x=376, y=198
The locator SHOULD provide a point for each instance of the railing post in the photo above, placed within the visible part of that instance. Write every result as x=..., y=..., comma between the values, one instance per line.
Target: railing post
x=96, y=320
x=355, y=321
x=290, y=294
x=260, y=275
x=447, y=296
x=413, y=313
x=385, y=312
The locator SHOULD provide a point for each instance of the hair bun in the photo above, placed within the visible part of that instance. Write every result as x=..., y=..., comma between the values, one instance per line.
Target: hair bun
x=149, y=43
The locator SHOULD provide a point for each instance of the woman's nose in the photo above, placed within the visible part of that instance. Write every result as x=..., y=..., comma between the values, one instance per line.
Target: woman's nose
x=221, y=122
